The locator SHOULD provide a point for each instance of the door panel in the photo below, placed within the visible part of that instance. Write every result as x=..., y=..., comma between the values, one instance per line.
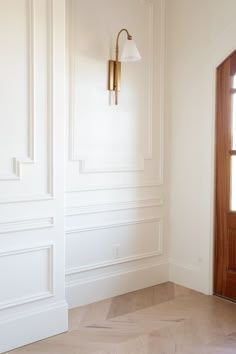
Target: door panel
x=233, y=184
x=225, y=195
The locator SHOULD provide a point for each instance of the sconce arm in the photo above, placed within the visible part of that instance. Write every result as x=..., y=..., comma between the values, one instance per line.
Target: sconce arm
x=129, y=37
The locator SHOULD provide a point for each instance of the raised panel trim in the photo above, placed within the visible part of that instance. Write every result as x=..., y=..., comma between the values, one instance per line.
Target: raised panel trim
x=161, y=88
x=136, y=257
x=38, y=296
x=137, y=164
x=88, y=165
x=112, y=206
x=25, y=224
x=30, y=159
x=112, y=225
x=17, y=161
x=147, y=184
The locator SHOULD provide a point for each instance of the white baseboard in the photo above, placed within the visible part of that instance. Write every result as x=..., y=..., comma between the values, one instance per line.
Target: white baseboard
x=188, y=276
x=93, y=289
x=29, y=327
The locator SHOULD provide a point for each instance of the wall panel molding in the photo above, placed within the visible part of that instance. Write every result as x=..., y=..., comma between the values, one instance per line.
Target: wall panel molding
x=112, y=225
x=18, y=162
x=161, y=89
x=25, y=224
x=135, y=257
x=37, y=296
x=99, y=164
x=30, y=159
x=112, y=206
x=147, y=184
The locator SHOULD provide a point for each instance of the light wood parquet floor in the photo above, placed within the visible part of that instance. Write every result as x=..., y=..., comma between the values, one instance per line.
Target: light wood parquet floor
x=164, y=319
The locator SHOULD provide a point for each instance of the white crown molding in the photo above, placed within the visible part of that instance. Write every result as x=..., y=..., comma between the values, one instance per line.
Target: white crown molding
x=112, y=206
x=37, y=296
x=25, y=224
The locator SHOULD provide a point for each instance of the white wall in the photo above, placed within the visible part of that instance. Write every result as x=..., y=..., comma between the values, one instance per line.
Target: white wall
x=116, y=239
x=117, y=167
x=199, y=35
x=32, y=286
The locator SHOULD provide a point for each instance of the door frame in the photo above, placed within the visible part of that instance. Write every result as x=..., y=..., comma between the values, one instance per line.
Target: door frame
x=219, y=54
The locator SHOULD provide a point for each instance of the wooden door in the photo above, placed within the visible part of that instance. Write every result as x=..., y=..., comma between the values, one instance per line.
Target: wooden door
x=225, y=197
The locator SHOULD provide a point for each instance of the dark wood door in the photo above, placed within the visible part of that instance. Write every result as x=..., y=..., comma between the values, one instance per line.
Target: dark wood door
x=225, y=192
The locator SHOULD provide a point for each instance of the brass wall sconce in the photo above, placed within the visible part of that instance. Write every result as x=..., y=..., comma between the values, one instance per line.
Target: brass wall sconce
x=129, y=53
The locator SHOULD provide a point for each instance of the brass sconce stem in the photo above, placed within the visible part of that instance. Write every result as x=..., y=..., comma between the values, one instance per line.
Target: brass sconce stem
x=129, y=37
x=114, y=74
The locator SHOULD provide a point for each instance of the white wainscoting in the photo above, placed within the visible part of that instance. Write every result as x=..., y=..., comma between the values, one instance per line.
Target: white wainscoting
x=115, y=209
x=25, y=224
x=115, y=282
x=135, y=240
x=25, y=159
x=32, y=88
x=22, y=285
x=27, y=327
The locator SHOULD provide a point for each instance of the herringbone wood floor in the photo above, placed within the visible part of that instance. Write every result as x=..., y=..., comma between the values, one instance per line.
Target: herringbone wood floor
x=164, y=319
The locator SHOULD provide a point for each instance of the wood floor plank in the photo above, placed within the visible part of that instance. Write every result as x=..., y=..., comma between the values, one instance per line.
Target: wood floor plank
x=164, y=319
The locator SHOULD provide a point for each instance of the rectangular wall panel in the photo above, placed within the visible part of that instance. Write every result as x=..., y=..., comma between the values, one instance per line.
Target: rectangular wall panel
x=106, y=245
x=26, y=275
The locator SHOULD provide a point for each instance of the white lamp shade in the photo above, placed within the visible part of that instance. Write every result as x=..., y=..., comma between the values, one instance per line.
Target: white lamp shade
x=130, y=51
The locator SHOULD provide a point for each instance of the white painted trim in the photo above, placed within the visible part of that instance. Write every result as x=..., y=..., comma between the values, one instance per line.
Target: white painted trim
x=51, y=270
x=50, y=94
x=17, y=161
x=16, y=225
x=25, y=300
x=150, y=55
x=112, y=225
x=88, y=165
x=28, y=198
x=137, y=164
x=113, y=206
x=122, y=260
x=161, y=83
x=33, y=325
x=80, y=292
x=94, y=266
x=30, y=159
x=146, y=184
